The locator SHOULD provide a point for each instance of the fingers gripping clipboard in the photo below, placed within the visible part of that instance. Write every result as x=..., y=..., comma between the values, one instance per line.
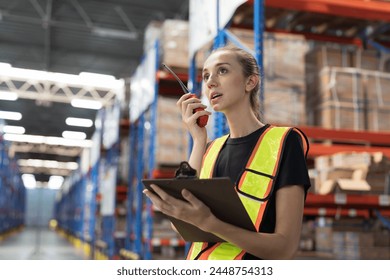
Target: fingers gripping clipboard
x=218, y=194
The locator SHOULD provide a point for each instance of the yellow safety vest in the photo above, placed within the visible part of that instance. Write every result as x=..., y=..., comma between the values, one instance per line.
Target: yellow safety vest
x=254, y=188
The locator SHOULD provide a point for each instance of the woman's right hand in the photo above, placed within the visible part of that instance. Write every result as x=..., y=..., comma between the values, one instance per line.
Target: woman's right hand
x=187, y=104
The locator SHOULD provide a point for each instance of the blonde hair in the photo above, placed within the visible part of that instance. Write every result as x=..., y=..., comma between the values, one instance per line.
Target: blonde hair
x=249, y=67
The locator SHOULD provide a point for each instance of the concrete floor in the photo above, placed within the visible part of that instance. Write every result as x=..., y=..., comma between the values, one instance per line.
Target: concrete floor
x=38, y=244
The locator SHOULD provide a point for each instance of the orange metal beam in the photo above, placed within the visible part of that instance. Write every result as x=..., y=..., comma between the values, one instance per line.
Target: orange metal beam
x=361, y=9
x=332, y=212
x=322, y=149
x=324, y=38
x=352, y=136
x=355, y=200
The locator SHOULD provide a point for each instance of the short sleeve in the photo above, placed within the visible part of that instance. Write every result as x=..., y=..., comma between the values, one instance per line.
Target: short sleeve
x=293, y=168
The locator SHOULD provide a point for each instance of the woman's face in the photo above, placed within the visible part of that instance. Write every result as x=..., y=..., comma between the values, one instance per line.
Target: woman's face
x=223, y=81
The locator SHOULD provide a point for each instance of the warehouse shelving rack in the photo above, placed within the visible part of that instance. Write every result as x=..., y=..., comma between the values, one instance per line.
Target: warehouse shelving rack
x=323, y=141
x=76, y=210
x=12, y=192
x=69, y=211
x=107, y=242
x=139, y=226
x=134, y=235
x=139, y=240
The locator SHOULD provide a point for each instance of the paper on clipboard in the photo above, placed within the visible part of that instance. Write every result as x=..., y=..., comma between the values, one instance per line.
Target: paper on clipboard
x=217, y=193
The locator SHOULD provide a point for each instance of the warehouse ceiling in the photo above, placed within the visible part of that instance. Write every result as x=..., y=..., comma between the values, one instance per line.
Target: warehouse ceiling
x=70, y=36
x=73, y=36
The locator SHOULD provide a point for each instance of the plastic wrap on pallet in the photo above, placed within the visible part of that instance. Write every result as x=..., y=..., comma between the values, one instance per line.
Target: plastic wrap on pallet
x=345, y=88
x=142, y=85
x=171, y=137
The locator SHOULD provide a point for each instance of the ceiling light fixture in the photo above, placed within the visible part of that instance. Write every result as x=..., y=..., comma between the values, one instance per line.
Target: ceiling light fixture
x=35, y=139
x=79, y=122
x=14, y=129
x=74, y=135
x=8, y=95
x=114, y=33
x=9, y=115
x=29, y=181
x=4, y=65
x=86, y=104
x=7, y=70
x=68, y=142
x=50, y=164
x=55, y=182
x=39, y=139
x=94, y=76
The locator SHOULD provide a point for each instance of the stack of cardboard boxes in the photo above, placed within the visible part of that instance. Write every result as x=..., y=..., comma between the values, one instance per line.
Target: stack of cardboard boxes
x=346, y=88
x=352, y=239
x=284, y=75
x=172, y=139
x=363, y=173
x=173, y=37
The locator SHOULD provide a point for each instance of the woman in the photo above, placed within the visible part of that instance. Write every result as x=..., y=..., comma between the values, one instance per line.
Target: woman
x=266, y=163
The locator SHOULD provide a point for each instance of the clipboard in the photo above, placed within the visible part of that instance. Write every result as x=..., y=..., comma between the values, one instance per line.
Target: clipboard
x=218, y=194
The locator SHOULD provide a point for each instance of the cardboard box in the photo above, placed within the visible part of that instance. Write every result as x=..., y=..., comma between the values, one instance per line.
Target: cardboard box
x=352, y=160
x=324, y=239
x=376, y=116
x=345, y=186
x=376, y=86
x=341, y=85
x=337, y=115
x=284, y=54
x=278, y=95
x=366, y=59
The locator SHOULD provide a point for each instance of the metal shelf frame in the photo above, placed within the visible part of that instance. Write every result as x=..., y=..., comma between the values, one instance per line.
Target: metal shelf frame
x=318, y=205
x=371, y=10
x=139, y=222
x=12, y=192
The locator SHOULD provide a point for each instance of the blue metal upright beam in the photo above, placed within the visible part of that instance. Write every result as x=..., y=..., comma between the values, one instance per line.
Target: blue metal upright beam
x=139, y=188
x=220, y=41
x=129, y=244
x=258, y=26
x=151, y=161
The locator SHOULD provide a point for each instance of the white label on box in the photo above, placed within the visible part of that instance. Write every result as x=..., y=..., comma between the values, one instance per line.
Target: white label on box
x=340, y=198
x=322, y=211
x=384, y=200
x=352, y=212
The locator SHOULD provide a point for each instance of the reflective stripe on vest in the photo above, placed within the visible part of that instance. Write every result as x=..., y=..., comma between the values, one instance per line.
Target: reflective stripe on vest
x=211, y=157
x=253, y=188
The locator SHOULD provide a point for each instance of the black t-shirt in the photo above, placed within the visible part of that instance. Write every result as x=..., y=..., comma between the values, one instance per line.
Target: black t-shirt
x=235, y=154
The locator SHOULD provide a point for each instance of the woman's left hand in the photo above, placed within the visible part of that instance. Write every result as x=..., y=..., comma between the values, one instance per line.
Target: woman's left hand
x=192, y=210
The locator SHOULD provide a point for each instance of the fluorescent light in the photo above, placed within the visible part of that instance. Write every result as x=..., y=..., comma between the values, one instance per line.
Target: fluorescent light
x=94, y=76
x=4, y=65
x=35, y=139
x=8, y=71
x=74, y=135
x=29, y=181
x=9, y=115
x=55, y=182
x=51, y=164
x=8, y=95
x=39, y=139
x=14, y=129
x=68, y=142
x=79, y=122
x=114, y=33
x=86, y=104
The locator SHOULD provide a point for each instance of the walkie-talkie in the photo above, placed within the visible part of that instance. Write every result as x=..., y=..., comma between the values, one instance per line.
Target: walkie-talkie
x=202, y=120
